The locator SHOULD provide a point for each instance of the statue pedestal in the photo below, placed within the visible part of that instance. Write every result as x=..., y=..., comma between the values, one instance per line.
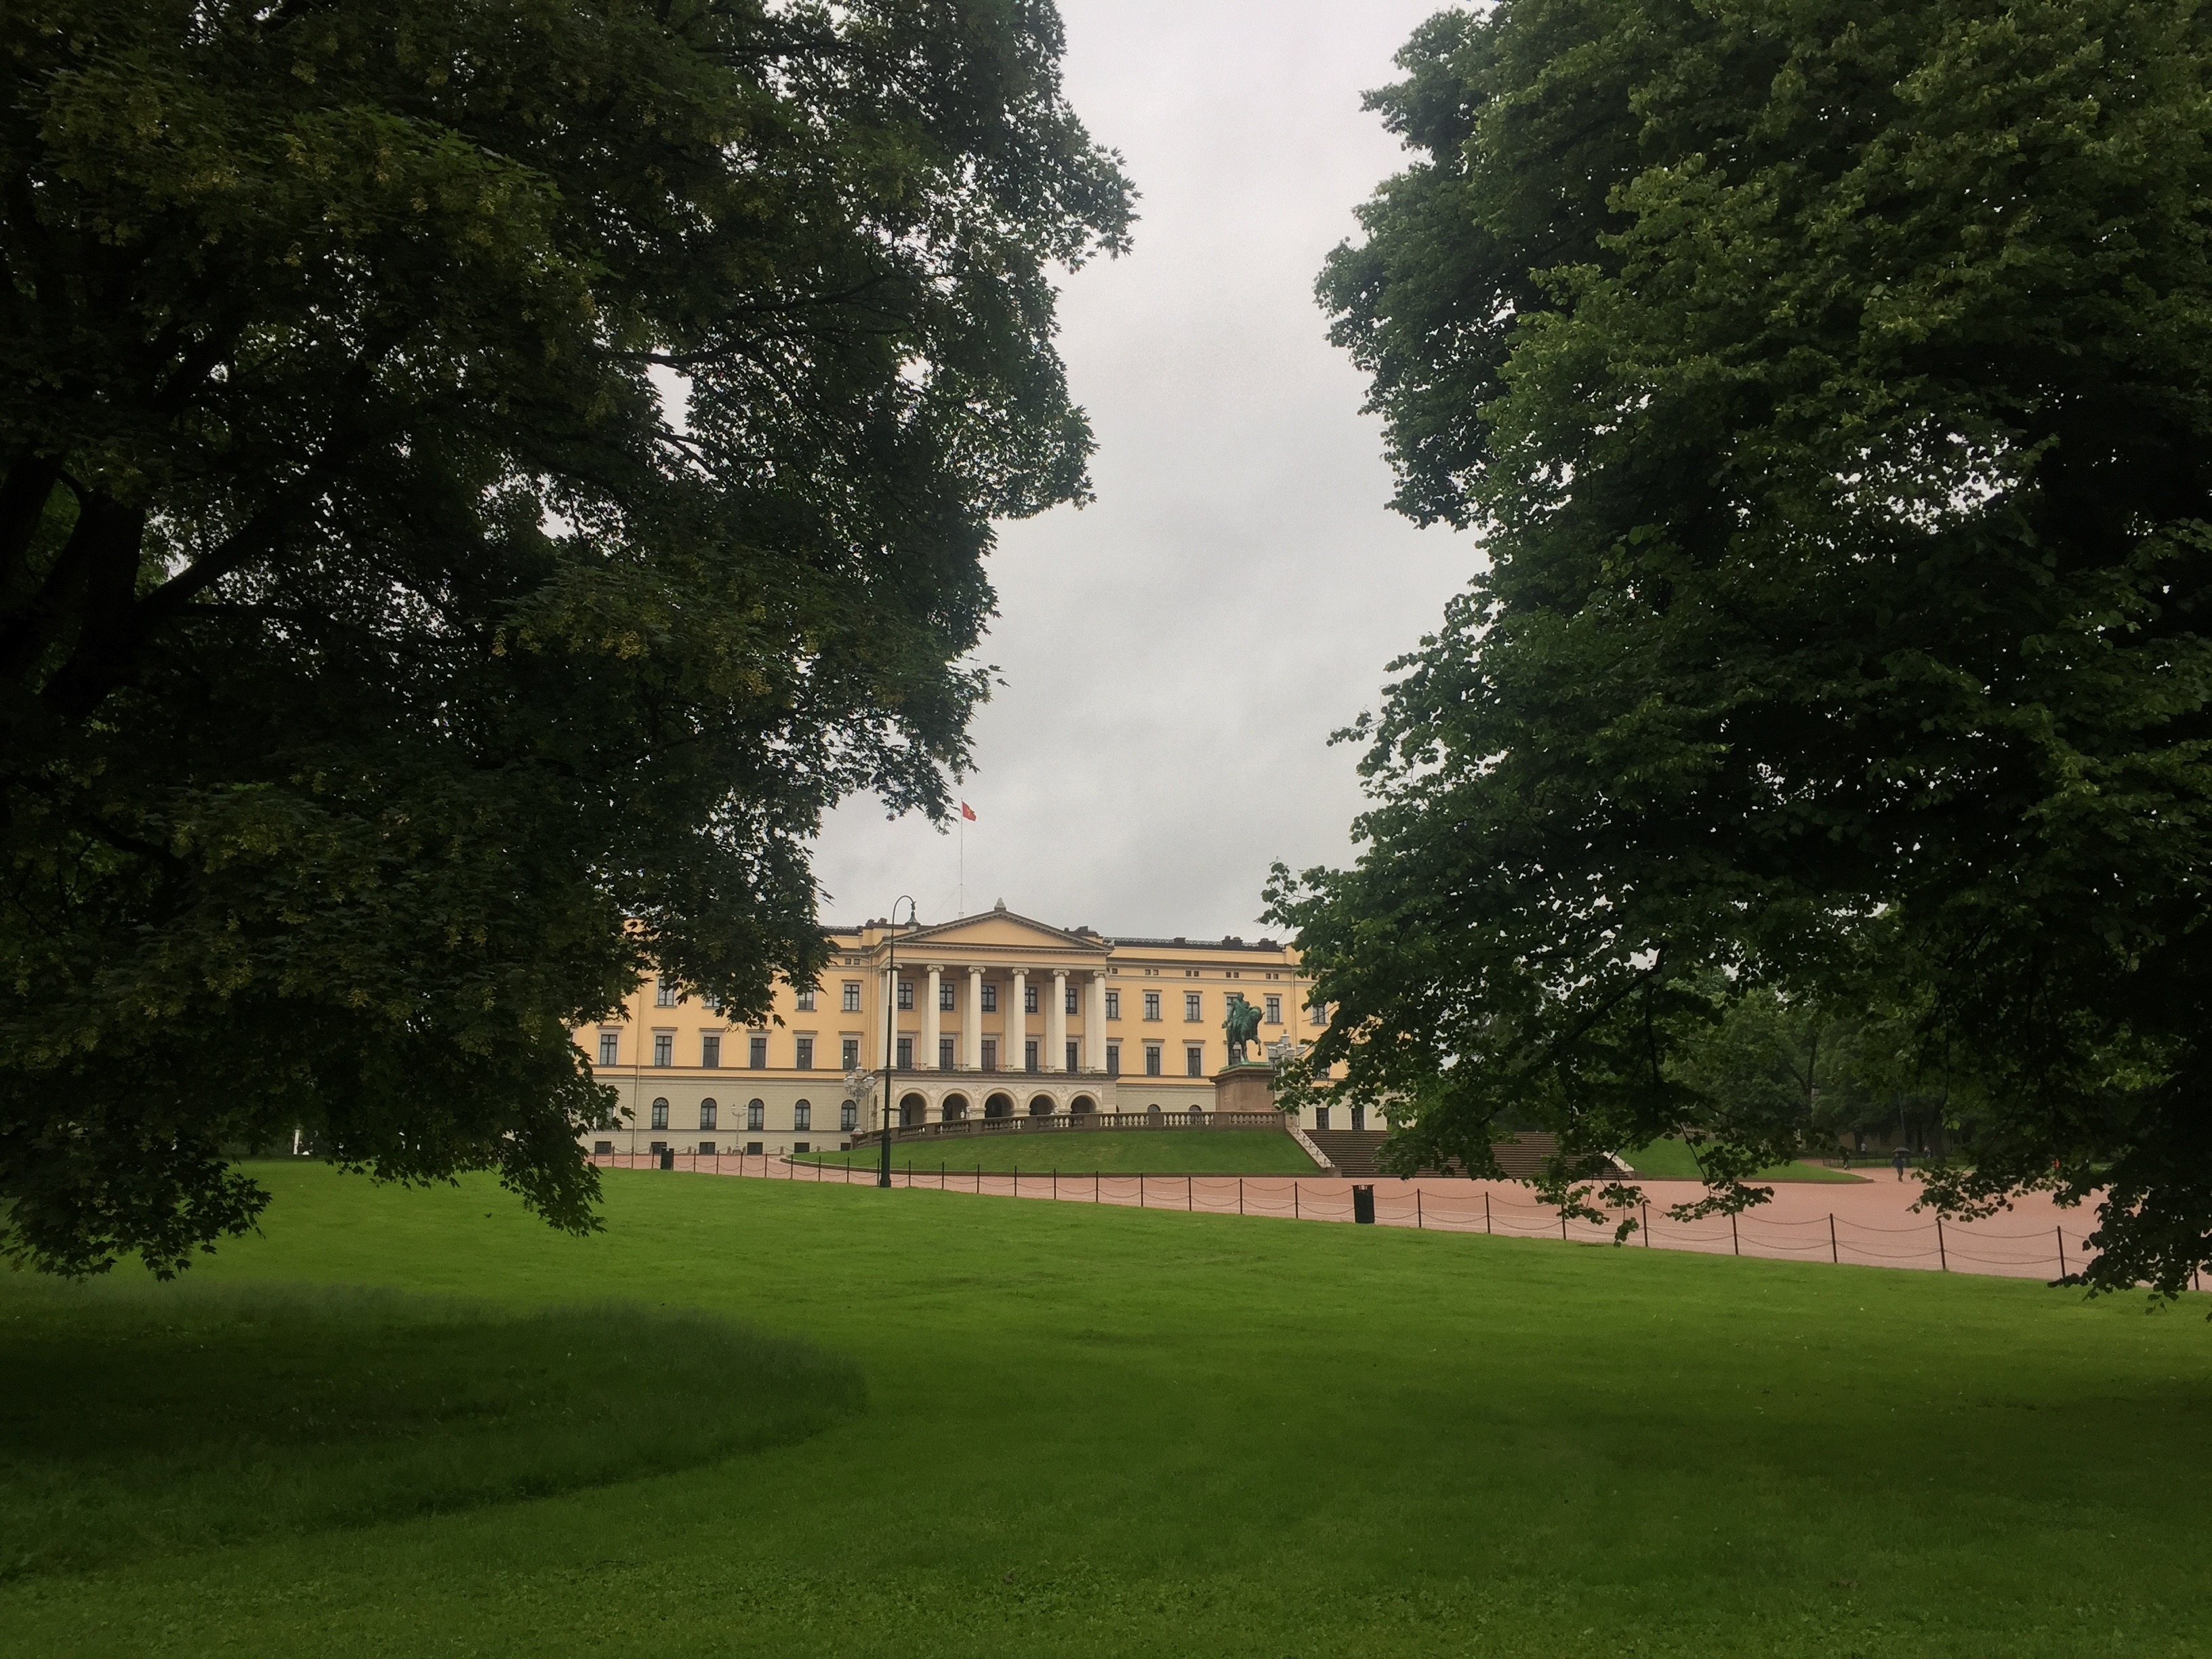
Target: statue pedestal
x=1249, y=1086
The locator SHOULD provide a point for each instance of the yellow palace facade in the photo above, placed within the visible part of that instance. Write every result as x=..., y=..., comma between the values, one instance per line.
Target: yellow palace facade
x=990, y=1016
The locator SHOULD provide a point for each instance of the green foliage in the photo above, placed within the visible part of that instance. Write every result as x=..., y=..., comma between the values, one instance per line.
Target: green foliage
x=476, y=481
x=145, y=1423
x=1103, y=1432
x=1832, y=384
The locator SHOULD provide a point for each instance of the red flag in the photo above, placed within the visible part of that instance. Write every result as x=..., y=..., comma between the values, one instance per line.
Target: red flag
x=967, y=812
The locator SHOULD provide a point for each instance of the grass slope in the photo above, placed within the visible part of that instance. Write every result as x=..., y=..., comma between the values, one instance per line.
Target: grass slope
x=1151, y=1151
x=1672, y=1160
x=1116, y=1433
x=140, y=1421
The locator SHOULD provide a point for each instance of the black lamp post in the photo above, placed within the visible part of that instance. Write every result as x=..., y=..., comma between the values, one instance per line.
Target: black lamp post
x=890, y=1033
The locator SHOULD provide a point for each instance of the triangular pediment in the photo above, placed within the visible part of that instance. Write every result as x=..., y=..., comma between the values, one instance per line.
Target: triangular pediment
x=999, y=931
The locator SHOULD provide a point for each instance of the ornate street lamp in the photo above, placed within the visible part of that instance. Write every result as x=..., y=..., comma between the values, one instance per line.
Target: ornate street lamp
x=891, y=1031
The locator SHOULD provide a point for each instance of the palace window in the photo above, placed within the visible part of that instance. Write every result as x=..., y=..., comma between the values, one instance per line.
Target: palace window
x=990, y=1053
x=945, y=1054
x=602, y=1148
x=710, y=1049
x=658, y=1147
x=758, y=1056
x=1113, y=1004
x=805, y=1061
x=664, y=993
x=848, y=1115
x=1274, y=1010
x=1152, y=1060
x=906, y=1054
x=1029, y=1056
x=664, y=1048
x=752, y=1148
x=806, y=1002
x=990, y=999
x=660, y=1113
x=1028, y=999
x=707, y=1146
x=906, y=993
x=1112, y=1060
x=1194, y=1005
x=1072, y=997
x=1193, y=1058
x=609, y=1047
x=849, y=1058
x=1151, y=1004
x=1072, y=1062
x=707, y=1113
x=1318, y=1013
x=851, y=996
x=713, y=1002
x=1320, y=1117
x=802, y=1116
x=756, y=1114
x=944, y=996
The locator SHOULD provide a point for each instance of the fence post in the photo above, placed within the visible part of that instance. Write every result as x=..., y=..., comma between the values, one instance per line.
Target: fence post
x=1562, y=1226
x=1055, y=1183
x=1240, y=1194
x=2061, y=1231
x=1094, y=1186
x=1647, y=1223
x=1485, y=1213
x=1186, y=1193
x=1418, y=1223
x=1835, y=1256
x=1294, y=1201
x=1141, y=1189
x=1735, y=1243
x=1017, y=1177
x=1942, y=1256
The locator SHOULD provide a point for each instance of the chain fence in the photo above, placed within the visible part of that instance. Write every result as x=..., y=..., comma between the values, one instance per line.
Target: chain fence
x=1836, y=1238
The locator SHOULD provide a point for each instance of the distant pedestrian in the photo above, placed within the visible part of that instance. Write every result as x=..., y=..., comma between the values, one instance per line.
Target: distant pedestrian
x=1899, y=1161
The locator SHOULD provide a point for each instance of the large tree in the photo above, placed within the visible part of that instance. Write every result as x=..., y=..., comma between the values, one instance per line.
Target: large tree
x=1831, y=383
x=477, y=477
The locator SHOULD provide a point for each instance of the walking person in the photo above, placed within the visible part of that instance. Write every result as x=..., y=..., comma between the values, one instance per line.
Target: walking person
x=1898, y=1159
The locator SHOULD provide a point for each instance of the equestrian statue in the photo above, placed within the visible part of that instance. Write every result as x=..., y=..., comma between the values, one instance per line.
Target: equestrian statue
x=1241, y=1027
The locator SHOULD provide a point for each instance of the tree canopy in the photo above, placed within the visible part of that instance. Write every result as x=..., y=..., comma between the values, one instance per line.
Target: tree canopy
x=478, y=478
x=1831, y=383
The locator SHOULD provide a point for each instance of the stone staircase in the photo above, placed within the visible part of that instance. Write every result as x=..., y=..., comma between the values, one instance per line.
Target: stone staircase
x=1353, y=1153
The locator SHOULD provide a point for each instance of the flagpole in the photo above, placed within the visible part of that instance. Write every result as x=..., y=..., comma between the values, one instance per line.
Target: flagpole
x=963, y=858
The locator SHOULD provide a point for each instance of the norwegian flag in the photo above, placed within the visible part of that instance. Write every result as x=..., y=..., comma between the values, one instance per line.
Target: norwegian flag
x=967, y=812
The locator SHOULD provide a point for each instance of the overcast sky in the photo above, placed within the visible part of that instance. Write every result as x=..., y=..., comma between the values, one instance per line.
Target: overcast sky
x=1177, y=653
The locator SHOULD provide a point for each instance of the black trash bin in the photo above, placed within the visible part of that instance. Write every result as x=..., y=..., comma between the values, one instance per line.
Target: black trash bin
x=667, y=1158
x=1362, y=1205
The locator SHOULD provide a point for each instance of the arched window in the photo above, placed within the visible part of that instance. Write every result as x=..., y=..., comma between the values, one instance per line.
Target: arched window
x=756, y=1114
x=802, y=1116
x=660, y=1113
x=848, y=1114
x=707, y=1114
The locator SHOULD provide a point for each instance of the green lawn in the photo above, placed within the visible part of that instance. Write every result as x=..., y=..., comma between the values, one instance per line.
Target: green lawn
x=1107, y=1432
x=1672, y=1160
x=1153, y=1152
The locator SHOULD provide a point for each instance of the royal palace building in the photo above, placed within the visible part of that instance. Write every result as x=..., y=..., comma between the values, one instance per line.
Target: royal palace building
x=990, y=1016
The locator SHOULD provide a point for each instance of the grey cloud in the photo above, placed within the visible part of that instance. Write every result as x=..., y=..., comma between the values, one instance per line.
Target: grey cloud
x=1176, y=654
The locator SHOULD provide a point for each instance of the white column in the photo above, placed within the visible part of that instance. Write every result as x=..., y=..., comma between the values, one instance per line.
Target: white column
x=1055, y=1023
x=1016, y=1023
x=931, y=1024
x=971, y=1024
x=1094, y=1025
x=886, y=1020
